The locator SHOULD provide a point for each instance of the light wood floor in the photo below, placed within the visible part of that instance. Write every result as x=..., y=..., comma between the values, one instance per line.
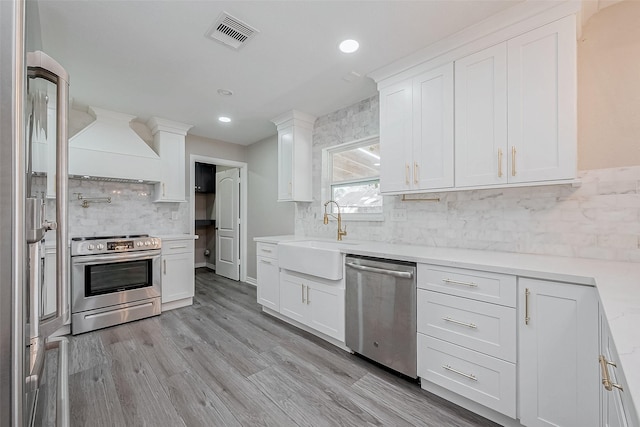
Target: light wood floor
x=222, y=362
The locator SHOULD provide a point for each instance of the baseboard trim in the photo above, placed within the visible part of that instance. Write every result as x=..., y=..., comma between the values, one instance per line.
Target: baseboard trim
x=305, y=328
x=177, y=304
x=200, y=264
x=469, y=404
x=251, y=281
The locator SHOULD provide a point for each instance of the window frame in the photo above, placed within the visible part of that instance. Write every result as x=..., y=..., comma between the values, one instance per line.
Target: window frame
x=327, y=174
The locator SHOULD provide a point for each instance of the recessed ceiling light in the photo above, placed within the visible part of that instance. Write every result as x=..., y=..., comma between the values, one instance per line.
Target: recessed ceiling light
x=225, y=92
x=224, y=119
x=349, y=46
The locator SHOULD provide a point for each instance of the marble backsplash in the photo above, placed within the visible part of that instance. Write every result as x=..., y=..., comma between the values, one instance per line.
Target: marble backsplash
x=131, y=211
x=600, y=219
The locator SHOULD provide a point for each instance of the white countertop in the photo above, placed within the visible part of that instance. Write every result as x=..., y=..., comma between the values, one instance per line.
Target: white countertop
x=618, y=284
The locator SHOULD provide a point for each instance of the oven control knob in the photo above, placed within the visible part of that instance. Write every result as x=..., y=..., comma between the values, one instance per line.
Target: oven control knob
x=139, y=244
x=90, y=246
x=100, y=246
x=147, y=243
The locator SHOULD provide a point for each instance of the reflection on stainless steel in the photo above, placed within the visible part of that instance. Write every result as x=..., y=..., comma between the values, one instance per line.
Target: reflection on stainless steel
x=381, y=311
x=114, y=280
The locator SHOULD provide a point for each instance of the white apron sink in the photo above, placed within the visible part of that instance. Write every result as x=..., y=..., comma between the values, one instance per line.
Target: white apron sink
x=319, y=258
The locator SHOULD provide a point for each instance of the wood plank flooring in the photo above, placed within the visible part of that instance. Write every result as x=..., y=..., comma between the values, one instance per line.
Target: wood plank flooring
x=222, y=362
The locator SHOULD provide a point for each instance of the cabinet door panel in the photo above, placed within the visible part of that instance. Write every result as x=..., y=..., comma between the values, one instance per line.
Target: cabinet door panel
x=481, y=117
x=542, y=103
x=558, y=354
x=268, y=283
x=177, y=277
x=293, y=303
x=433, y=129
x=285, y=164
x=395, y=137
x=326, y=307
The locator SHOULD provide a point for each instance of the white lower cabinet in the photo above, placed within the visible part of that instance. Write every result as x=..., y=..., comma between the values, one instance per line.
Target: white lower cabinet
x=312, y=303
x=467, y=334
x=558, y=354
x=616, y=409
x=177, y=273
x=486, y=380
x=268, y=276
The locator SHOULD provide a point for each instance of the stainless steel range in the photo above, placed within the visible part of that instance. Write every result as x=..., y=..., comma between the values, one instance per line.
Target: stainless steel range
x=114, y=280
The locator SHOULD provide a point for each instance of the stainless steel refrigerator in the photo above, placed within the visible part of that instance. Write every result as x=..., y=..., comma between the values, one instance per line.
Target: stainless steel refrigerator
x=33, y=89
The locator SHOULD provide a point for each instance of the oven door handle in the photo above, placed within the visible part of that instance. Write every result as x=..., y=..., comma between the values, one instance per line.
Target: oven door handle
x=92, y=259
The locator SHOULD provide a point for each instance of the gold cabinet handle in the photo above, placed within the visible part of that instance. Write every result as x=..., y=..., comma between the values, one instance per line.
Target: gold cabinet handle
x=526, y=306
x=513, y=161
x=302, y=289
x=164, y=191
x=455, y=371
x=164, y=266
x=457, y=322
x=308, y=300
x=499, y=162
x=416, y=172
x=458, y=282
x=606, y=380
x=264, y=261
x=406, y=174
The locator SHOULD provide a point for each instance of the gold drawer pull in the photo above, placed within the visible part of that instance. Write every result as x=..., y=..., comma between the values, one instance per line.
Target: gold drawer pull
x=416, y=169
x=406, y=174
x=606, y=380
x=302, y=288
x=499, y=162
x=266, y=250
x=455, y=371
x=513, y=161
x=264, y=261
x=457, y=322
x=457, y=282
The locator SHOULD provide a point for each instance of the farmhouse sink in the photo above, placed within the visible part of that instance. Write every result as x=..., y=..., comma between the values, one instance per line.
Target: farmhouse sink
x=320, y=258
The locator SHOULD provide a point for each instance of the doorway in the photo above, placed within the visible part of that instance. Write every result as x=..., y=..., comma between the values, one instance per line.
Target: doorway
x=205, y=209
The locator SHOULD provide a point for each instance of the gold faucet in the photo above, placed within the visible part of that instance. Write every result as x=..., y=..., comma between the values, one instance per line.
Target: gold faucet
x=339, y=218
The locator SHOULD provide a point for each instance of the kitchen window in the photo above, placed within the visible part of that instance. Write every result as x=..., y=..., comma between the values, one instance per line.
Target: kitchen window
x=352, y=179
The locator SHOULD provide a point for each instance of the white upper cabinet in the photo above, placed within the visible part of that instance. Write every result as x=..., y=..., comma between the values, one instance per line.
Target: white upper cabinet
x=416, y=125
x=396, y=132
x=481, y=117
x=515, y=113
x=542, y=103
x=295, y=131
x=169, y=143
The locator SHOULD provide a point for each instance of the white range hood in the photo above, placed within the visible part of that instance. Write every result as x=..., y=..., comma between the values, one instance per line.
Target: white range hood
x=109, y=149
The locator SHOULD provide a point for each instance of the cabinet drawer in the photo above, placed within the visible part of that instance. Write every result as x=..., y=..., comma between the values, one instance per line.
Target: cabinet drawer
x=177, y=246
x=487, y=328
x=479, y=285
x=267, y=250
x=486, y=380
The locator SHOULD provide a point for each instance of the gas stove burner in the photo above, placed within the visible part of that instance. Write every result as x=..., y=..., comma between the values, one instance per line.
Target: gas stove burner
x=81, y=239
x=124, y=236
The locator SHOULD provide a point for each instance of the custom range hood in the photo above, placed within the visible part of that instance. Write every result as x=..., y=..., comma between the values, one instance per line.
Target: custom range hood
x=108, y=149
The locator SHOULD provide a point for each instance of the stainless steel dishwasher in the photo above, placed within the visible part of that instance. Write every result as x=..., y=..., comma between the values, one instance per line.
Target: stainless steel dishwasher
x=381, y=311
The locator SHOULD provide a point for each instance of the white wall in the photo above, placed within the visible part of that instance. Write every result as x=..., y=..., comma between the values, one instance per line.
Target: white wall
x=267, y=217
x=609, y=88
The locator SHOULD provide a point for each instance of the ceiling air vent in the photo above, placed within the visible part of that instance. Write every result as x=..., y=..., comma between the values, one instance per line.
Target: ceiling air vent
x=231, y=31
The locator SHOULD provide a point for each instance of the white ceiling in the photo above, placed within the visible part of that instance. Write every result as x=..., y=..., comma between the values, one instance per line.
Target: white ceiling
x=151, y=58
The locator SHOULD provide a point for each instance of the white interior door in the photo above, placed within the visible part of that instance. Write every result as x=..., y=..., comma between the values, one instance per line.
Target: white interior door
x=227, y=223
